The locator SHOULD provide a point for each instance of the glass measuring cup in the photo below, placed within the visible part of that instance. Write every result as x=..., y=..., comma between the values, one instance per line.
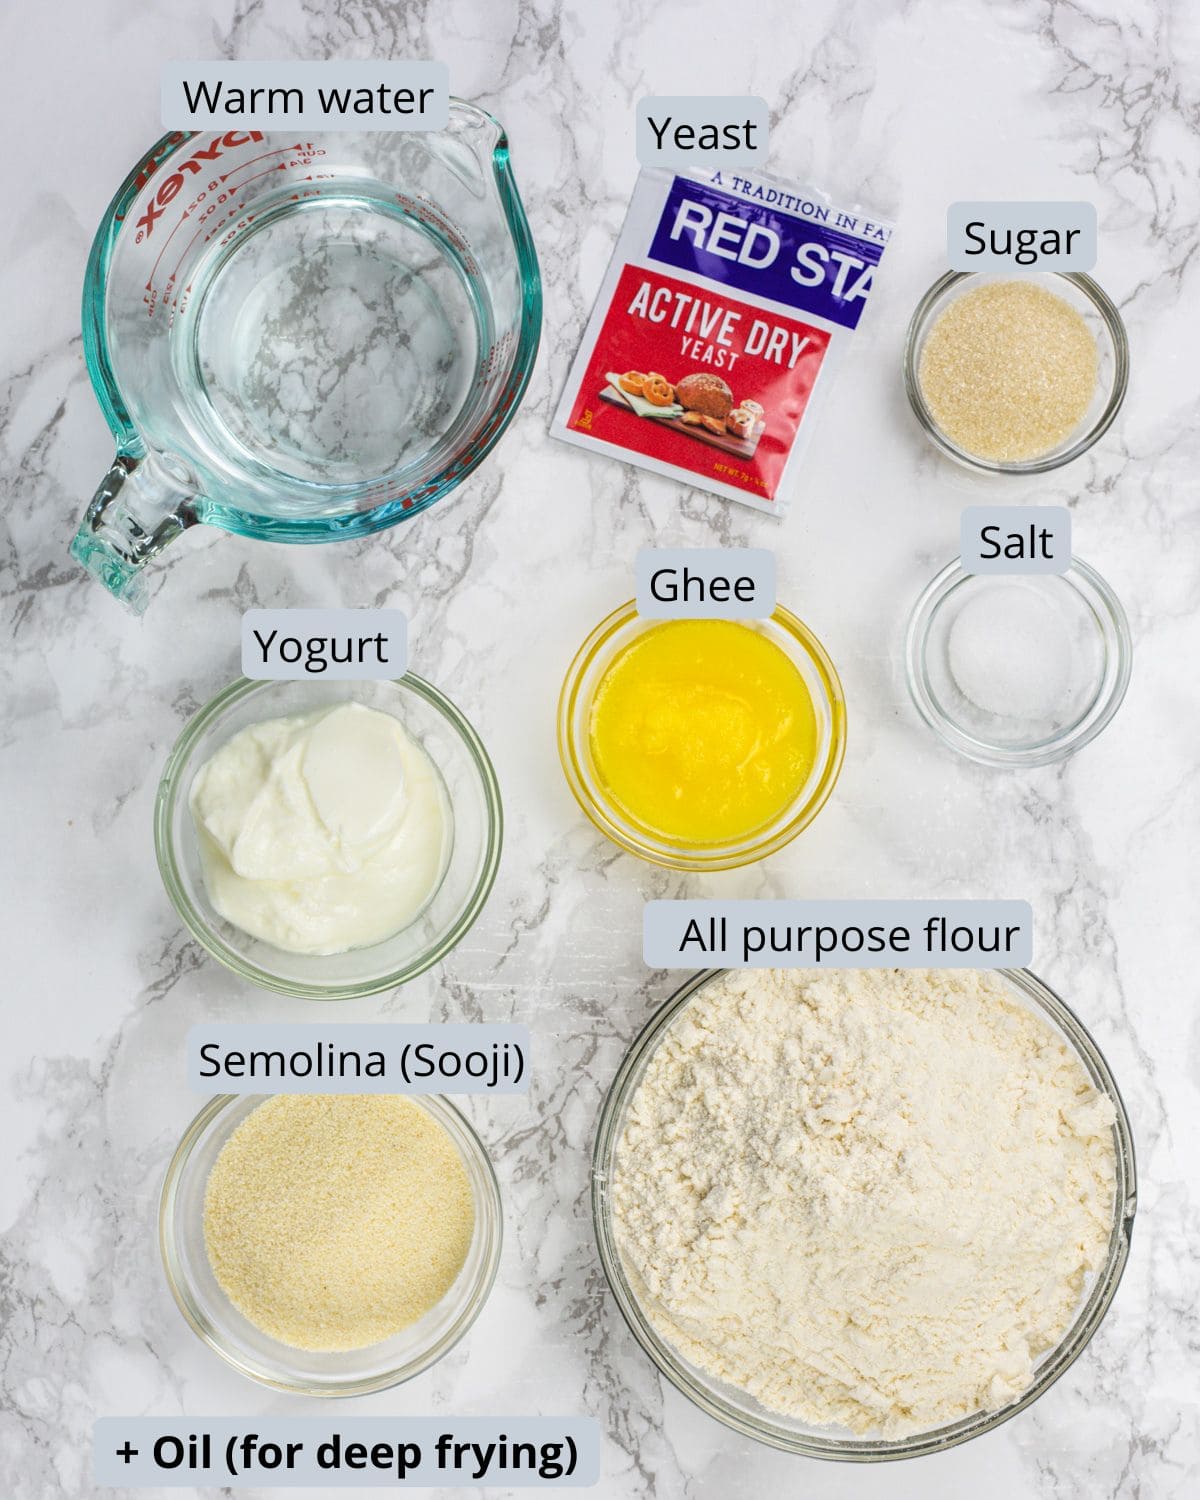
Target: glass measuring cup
x=302, y=339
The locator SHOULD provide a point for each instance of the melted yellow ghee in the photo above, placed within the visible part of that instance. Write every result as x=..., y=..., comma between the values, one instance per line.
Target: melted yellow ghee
x=702, y=731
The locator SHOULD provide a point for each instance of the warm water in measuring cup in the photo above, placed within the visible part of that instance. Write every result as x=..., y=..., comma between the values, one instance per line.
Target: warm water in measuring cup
x=303, y=339
x=339, y=347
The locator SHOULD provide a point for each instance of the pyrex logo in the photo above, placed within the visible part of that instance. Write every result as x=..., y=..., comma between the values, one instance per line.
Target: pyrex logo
x=172, y=185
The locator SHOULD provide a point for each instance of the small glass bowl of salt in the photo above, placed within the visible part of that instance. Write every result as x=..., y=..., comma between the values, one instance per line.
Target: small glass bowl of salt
x=1018, y=670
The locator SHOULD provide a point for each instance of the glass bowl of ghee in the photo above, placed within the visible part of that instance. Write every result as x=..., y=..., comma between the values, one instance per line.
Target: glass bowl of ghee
x=701, y=744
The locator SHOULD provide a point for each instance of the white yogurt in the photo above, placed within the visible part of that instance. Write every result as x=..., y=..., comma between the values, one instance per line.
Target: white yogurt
x=321, y=831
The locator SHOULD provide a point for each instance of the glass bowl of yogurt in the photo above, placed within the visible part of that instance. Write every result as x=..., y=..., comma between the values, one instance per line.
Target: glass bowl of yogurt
x=328, y=839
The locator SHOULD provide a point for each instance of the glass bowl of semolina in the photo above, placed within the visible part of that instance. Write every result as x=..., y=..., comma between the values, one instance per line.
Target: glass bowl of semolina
x=212, y=1315
x=1001, y=372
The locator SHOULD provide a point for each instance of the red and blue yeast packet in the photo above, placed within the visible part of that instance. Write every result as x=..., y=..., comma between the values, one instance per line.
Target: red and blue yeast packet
x=725, y=308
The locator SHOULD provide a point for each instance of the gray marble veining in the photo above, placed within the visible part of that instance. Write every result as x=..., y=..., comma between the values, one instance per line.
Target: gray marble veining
x=910, y=105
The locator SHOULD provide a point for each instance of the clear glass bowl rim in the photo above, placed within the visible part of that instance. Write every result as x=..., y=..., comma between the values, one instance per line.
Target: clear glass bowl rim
x=169, y=789
x=1114, y=626
x=715, y=856
x=490, y=1222
x=354, y=523
x=861, y=1450
x=1105, y=309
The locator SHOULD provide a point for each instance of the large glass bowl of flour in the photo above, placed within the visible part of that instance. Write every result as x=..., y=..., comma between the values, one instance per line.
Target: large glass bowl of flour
x=732, y=1404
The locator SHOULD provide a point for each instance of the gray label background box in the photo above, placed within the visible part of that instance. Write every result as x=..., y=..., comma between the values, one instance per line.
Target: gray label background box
x=308, y=77
x=391, y=1039
x=755, y=563
x=1055, y=519
x=327, y=625
x=666, y=922
x=1003, y=216
x=697, y=110
x=141, y=1472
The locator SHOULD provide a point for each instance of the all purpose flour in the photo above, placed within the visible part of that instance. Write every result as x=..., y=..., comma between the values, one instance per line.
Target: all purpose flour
x=869, y=1198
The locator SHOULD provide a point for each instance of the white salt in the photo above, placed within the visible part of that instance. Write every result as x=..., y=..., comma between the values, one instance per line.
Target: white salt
x=1010, y=652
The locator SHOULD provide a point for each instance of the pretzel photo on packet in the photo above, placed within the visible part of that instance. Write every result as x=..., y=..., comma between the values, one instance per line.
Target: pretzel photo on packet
x=658, y=391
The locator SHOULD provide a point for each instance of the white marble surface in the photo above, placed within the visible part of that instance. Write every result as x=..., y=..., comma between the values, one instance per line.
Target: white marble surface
x=913, y=105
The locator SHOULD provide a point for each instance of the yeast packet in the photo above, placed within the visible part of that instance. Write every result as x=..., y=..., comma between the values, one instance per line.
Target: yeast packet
x=726, y=307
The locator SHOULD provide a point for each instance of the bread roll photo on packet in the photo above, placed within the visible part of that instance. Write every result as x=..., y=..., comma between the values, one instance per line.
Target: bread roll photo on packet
x=725, y=308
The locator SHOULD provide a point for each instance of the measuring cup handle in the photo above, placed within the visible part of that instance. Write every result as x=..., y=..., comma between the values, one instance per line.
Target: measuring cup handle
x=138, y=508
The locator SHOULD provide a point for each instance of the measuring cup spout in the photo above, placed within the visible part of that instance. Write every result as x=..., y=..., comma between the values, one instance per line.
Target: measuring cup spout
x=139, y=507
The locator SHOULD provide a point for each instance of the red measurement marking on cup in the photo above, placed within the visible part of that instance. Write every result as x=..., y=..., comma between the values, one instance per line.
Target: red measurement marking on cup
x=192, y=208
x=307, y=153
x=170, y=281
x=163, y=294
x=179, y=303
x=282, y=167
x=211, y=230
x=296, y=146
x=262, y=156
x=187, y=213
x=162, y=251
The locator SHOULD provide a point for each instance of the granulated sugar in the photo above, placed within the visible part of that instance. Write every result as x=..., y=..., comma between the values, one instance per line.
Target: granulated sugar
x=1008, y=371
x=335, y=1221
x=869, y=1198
